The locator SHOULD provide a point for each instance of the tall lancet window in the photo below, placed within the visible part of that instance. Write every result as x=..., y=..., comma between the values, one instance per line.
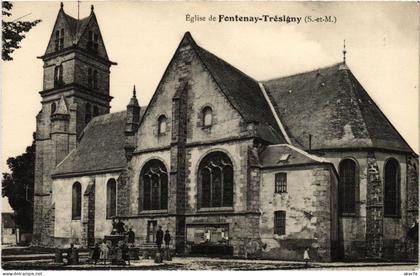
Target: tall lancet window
x=347, y=186
x=93, y=41
x=215, y=181
x=392, y=188
x=154, y=186
x=59, y=40
x=111, y=198
x=76, y=202
x=58, y=76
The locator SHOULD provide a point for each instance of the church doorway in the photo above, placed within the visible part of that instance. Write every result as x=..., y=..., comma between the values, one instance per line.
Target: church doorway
x=151, y=230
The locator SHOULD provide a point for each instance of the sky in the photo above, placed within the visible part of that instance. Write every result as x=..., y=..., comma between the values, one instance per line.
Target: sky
x=382, y=45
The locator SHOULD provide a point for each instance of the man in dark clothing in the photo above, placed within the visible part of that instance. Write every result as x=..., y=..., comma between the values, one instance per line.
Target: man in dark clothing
x=125, y=253
x=167, y=238
x=70, y=254
x=159, y=237
x=131, y=237
x=120, y=227
x=96, y=253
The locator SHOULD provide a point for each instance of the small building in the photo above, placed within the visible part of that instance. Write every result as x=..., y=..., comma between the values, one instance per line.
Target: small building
x=9, y=230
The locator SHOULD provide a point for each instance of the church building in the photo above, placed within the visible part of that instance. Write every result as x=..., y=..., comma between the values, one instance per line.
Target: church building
x=228, y=164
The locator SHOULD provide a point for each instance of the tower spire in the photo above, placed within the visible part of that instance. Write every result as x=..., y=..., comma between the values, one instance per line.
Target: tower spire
x=344, y=52
x=134, y=91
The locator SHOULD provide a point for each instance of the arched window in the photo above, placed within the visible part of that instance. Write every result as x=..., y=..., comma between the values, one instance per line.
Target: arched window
x=347, y=186
x=207, y=116
x=59, y=39
x=76, y=202
x=154, y=184
x=215, y=181
x=58, y=76
x=111, y=198
x=95, y=111
x=88, y=113
x=53, y=108
x=162, y=124
x=392, y=188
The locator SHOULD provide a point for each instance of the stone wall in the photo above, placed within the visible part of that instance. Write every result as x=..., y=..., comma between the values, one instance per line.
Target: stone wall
x=123, y=194
x=361, y=234
x=374, y=210
x=88, y=221
x=309, y=212
x=412, y=205
x=67, y=230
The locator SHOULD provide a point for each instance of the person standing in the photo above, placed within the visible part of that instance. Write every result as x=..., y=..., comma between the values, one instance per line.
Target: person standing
x=167, y=238
x=104, y=251
x=70, y=254
x=306, y=257
x=120, y=227
x=159, y=237
x=131, y=237
x=114, y=227
x=125, y=253
x=96, y=253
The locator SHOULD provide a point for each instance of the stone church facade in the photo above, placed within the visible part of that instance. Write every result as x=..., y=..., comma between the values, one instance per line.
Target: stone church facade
x=224, y=162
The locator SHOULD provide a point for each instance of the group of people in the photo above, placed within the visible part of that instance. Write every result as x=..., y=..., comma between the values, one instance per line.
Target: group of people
x=102, y=250
x=160, y=238
x=118, y=227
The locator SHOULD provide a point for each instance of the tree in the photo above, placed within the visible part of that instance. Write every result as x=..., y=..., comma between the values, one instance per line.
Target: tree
x=13, y=31
x=18, y=187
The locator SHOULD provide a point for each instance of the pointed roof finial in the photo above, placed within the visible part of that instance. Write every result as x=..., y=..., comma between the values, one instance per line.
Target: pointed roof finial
x=344, y=52
x=61, y=5
x=134, y=91
x=91, y=8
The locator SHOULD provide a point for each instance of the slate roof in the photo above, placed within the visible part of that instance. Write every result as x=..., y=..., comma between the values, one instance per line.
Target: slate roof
x=75, y=30
x=73, y=25
x=7, y=220
x=287, y=155
x=101, y=147
x=243, y=92
x=331, y=105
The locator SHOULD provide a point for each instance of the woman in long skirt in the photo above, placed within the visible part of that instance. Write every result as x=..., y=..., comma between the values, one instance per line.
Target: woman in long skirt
x=104, y=251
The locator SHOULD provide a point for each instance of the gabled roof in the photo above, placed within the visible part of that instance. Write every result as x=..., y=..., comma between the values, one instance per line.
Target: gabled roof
x=101, y=147
x=287, y=155
x=332, y=106
x=241, y=91
x=76, y=29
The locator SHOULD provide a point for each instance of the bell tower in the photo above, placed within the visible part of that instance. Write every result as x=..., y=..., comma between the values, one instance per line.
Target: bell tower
x=75, y=89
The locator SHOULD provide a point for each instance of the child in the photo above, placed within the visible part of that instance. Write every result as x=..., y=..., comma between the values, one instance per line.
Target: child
x=104, y=251
x=306, y=256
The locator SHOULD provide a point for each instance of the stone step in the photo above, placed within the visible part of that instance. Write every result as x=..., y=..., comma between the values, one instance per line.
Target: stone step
x=36, y=257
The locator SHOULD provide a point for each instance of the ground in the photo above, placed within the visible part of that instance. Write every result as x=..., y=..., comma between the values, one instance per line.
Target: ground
x=21, y=258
